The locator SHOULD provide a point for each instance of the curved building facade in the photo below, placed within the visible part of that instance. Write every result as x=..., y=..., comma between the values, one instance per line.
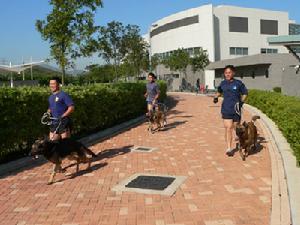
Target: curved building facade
x=225, y=32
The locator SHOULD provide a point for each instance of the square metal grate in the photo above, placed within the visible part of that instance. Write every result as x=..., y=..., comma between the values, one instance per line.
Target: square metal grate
x=151, y=182
x=143, y=149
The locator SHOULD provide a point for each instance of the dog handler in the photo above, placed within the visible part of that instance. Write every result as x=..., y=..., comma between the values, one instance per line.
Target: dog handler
x=234, y=93
x=60, y=107
x=152, y=93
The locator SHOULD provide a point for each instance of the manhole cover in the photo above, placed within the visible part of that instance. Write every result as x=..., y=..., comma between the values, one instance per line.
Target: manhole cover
x=151, y=182
x=145, y=183
x=143, y=149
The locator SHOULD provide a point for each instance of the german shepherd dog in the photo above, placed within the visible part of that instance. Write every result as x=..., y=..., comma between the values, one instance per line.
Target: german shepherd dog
x=56, y=151
x=157, y=117
x=247, y=135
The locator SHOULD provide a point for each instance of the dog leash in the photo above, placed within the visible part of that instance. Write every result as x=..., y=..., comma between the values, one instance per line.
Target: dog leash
x=48, y=120
x=238, y=109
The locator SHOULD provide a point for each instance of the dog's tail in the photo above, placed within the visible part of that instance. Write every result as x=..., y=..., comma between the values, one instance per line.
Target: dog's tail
x=254, y=118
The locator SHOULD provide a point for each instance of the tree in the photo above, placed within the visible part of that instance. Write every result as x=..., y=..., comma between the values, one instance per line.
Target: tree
x=200, y=60
x=155, y=61
x=69, y=28
x=123, y=47
x=177, y=61
x=99, y=73
x=137, y=53
x=110, y=44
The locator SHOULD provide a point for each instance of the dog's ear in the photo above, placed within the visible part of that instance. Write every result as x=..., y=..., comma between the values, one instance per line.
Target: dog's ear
x=245, y=124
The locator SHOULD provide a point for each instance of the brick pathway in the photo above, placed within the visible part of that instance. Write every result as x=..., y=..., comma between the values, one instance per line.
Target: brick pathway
x=218, y=191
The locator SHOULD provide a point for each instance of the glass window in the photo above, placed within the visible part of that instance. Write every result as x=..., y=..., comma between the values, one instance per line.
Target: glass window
x=269, y=27
x=239, y=51
x=232, y=51
x=238, y=24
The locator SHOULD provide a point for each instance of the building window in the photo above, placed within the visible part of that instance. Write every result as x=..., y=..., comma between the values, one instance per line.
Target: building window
x=253, y=75
x=267, y=73
x=294, y=29
x=269, y=27
x=175, y=24
x=238, y=51
x=268, y=50
x=238, y=24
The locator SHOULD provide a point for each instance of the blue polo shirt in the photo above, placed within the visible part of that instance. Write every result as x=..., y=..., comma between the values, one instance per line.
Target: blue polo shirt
x=232, y=92
x=59, y=103
x=152, y=91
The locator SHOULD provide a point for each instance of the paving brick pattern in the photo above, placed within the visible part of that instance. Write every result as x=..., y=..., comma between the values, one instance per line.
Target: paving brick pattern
x=218, y=191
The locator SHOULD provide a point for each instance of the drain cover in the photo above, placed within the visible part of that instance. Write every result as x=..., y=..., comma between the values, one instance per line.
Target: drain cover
x=143, y=149
x=151, y=182
x=145, y=183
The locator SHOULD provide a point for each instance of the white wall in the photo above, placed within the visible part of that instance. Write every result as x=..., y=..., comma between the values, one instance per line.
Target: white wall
x=205, y=34
x=253, y=39
x=195, y=35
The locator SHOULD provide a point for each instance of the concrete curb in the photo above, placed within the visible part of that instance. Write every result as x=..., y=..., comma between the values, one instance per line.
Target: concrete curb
x=28, y=162
x=285, y=174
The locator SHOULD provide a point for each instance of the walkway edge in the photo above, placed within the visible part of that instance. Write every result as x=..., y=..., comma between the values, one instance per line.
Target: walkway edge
x=285, y=174
x=25, y=162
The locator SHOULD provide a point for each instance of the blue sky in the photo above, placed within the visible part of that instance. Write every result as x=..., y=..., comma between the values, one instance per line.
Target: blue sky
x=18, y=37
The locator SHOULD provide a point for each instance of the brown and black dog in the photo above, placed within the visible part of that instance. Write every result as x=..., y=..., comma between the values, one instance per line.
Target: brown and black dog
x=56, y=151
x=247, y=135
x=157, y=117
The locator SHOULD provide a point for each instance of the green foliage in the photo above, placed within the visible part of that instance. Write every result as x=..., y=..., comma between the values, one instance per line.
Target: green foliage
x=96, y=107
x=123, y=47
x=177, y=61
x=284, y=111
x=200, y=60
x=180, y=59
x=69, y=28
x=99, y=74
x=155, y=61
x=277, y=89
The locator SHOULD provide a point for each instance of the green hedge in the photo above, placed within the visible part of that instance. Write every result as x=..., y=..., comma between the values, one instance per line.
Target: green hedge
x=284, y=111
x=96, y=107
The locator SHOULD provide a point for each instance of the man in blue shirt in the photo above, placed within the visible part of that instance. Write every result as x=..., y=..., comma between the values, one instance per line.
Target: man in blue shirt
x=60, y=107
x=152, y=93
x=234, y=95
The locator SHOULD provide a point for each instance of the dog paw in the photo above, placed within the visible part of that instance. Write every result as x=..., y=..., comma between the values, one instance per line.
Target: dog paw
x=50, y=182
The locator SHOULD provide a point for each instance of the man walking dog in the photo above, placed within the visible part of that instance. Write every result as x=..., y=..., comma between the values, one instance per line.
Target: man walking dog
x=234, y=93
x=60, y=107
x=152, y=93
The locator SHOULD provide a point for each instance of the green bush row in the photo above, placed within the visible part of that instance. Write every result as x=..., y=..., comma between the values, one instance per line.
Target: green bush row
x=96, y=107
x=284, y=111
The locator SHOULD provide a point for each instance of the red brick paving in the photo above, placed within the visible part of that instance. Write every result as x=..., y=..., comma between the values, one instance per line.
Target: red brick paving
x=219, y=190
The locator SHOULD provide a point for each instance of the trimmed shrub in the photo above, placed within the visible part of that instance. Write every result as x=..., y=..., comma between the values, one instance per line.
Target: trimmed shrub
x=96, y=107
x=284, y=111
x=277, y=89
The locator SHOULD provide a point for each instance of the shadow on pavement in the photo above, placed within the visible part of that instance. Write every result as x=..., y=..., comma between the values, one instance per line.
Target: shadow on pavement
x=173, y=125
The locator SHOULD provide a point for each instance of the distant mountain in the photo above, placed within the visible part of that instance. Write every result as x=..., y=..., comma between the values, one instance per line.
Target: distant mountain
x=49, y=67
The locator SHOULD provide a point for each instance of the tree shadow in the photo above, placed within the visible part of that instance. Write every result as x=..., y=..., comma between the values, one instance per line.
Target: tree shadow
x=110, y=153
x=172, y=101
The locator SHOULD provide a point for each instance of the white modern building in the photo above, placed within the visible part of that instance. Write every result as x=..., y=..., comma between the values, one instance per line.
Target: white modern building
x=225, y=32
